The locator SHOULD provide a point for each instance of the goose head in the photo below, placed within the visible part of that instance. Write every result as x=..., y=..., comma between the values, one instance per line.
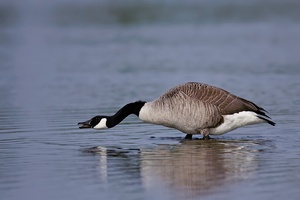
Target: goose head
x=97, y=122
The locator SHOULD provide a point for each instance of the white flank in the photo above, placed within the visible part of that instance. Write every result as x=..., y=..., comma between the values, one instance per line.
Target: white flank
x=236, y=120
x=101, y=124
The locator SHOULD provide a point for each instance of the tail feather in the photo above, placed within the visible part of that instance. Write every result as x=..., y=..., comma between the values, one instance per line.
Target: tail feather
x=261, y=113
x=267, y=119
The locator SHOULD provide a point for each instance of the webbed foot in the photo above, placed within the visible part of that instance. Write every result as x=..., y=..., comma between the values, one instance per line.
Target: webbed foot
x=188, y=137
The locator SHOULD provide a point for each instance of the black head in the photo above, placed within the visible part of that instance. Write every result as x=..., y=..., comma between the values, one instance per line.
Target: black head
x=97, y=122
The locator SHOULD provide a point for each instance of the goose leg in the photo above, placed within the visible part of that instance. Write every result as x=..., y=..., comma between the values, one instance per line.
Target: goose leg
x=206, y=137
x=205, y=134
x=188, y=136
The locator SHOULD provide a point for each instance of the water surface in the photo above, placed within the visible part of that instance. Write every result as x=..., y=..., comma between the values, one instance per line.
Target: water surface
x=65, y=62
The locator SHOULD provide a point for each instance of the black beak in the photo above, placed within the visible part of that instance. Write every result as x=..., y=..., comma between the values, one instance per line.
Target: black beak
x=86, y=124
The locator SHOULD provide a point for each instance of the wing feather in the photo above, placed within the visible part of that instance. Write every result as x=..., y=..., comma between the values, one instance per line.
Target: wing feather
x=212, y=96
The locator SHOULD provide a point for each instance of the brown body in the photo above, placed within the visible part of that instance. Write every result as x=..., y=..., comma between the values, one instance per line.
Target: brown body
x=196, y=108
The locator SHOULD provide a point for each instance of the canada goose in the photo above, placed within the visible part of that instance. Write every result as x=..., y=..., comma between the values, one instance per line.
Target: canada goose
x=193, y=108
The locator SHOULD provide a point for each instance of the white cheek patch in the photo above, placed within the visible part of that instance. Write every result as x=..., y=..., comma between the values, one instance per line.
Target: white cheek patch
x=101, y=124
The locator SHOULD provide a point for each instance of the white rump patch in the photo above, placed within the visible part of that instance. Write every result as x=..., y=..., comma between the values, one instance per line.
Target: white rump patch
x=235, y=121
x=101, y=124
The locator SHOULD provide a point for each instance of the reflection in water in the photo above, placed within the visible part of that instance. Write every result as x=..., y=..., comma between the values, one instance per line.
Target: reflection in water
x=189, y=169
x=197, y=167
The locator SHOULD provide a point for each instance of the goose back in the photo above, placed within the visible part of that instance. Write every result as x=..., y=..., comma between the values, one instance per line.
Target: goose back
x=226, y=102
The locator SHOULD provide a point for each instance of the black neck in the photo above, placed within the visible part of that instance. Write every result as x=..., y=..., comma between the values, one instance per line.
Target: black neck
x=131, y=108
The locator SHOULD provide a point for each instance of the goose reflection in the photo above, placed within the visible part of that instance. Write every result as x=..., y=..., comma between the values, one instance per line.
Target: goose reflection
x=189, y=169
x=198, y=167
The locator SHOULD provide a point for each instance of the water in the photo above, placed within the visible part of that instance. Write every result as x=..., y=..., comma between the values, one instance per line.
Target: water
x=63, y=62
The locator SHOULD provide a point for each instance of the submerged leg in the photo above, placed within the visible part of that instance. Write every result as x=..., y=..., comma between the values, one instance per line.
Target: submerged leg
x=188, y=137
x=206, y=137
x=205, y=134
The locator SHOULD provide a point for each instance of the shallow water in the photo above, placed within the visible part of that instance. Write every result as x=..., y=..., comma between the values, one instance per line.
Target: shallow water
x=58, y=68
